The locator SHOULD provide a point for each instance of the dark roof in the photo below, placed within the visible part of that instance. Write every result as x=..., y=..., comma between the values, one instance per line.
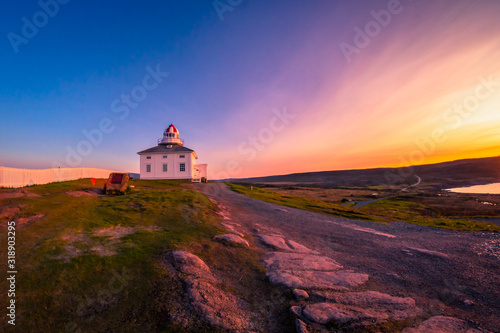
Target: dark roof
x=165, y=150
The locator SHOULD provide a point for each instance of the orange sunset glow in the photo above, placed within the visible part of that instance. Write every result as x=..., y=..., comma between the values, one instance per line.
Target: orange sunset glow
x=419, y=78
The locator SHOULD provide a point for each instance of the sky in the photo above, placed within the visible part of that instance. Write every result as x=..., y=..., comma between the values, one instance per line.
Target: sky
x=255, y=87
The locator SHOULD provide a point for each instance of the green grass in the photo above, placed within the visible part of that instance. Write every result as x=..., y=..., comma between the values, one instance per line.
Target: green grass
x=399, y=209
x=158, y=184
x=316, y=206
x=84, y=291
x=388, y=210
x=132, y=290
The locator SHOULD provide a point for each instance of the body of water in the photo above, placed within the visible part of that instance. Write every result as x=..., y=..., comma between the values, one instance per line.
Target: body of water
x=479, y=189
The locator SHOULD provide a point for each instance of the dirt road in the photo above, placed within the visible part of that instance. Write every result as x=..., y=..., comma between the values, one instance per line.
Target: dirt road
x=446, y=272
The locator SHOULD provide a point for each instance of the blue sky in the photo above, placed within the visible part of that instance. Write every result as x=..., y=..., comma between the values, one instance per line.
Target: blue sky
x=225, y=77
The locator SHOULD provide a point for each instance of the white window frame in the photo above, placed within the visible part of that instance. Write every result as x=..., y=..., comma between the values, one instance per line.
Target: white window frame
x=148, y=168
x=165, y=167
x=180, y=167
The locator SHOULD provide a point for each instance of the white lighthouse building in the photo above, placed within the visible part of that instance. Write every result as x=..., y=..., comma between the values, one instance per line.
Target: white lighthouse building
x=171, y=160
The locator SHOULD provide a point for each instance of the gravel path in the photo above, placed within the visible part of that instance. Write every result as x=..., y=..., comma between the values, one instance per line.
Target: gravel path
x=446, y=272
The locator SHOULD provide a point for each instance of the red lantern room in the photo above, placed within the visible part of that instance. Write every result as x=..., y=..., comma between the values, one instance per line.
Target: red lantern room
x=171, y=137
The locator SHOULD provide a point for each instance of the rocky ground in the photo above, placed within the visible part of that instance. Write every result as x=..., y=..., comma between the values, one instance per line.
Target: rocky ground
x=352, y=276
x=219, y=307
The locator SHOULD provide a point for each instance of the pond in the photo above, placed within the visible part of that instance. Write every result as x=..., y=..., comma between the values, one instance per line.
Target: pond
x=479, y=189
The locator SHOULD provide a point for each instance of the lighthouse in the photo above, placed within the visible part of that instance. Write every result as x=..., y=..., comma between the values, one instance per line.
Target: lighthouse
x=170, y=159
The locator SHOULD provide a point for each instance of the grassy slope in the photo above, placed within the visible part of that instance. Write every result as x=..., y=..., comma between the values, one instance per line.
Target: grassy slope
x=394, y=209
x=129, y=291
x=316, y=206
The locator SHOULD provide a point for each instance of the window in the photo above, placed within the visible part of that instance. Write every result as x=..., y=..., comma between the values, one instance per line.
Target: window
x=182, y=167
x=148, y=157
x=182, y=156
x=148, y=167
x=169, y=146
x=165, y=156
x=165, y=168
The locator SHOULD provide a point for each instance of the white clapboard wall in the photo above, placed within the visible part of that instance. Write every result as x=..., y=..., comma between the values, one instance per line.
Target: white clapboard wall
x=12, y=177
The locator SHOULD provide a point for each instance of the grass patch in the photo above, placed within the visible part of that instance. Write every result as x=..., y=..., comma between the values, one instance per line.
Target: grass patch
x=387, y=210
x=399, y=209
x=128, y=291
x=316, y=206
x=94, y=263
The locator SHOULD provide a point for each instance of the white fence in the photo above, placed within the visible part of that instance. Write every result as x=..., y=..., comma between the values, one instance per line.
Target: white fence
x=12, y=177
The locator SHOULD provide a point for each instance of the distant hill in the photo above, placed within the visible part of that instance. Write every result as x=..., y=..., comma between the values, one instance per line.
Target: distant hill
x=442, y=175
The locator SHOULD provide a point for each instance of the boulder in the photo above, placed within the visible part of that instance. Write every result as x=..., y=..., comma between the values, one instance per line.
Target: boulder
x=189, y=264
x=296, y=310
x=300, y=294
x=360, y=308
x=275, y=242
x=300, y=326
x=339, y=280
x=214, y=305
x=324, y=313
x=300, y=261
x=220, y=308
x=372, y=299
x=231, y=239
x=278, y=243
x=231, y=228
